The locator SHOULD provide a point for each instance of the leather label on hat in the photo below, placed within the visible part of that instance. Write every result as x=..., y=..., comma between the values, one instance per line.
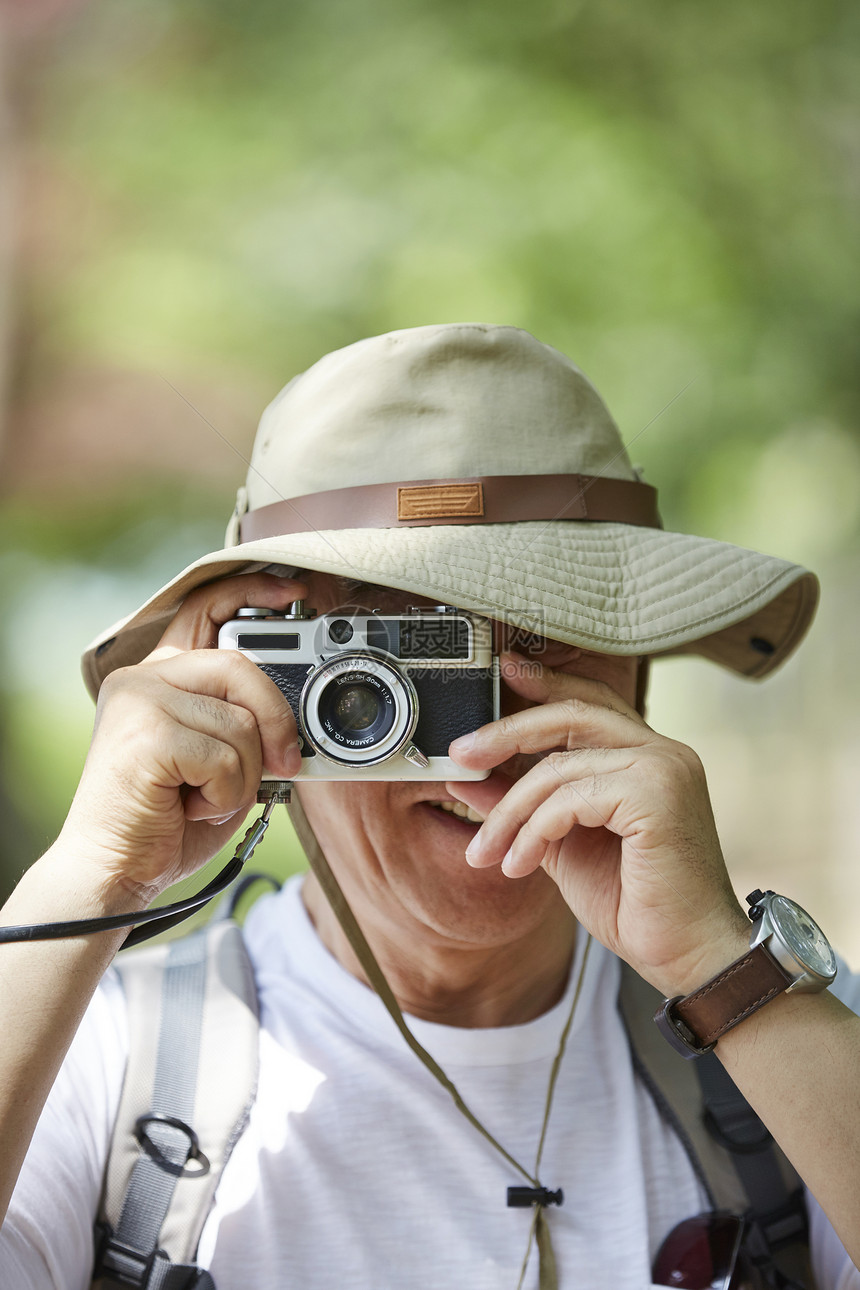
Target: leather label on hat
x=440, y=501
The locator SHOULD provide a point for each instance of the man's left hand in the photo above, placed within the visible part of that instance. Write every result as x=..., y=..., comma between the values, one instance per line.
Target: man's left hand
x=617, y=815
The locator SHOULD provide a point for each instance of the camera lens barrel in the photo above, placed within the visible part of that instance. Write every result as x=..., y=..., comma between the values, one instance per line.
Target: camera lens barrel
x=358, y=709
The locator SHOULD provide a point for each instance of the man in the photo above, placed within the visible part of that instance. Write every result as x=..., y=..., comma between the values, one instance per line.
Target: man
x=472, y=466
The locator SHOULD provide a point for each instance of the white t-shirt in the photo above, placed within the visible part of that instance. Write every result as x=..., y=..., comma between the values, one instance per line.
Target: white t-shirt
x=356, y=1171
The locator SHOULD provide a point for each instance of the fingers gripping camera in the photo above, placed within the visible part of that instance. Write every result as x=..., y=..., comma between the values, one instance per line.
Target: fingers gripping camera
x=376, y=696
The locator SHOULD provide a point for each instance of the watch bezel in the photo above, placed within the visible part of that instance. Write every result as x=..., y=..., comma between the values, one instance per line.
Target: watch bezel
x=768, y=930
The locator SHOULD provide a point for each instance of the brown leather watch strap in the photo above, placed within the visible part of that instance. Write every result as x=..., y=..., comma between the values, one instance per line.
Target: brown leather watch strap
x=745, y=985
x=485, y=499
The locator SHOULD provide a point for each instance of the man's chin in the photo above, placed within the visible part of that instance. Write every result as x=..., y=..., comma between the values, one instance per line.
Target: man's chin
x=474, y=903
x=410, y=862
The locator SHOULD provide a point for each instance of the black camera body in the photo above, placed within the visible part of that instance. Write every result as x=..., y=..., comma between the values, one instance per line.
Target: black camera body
x=376, y=696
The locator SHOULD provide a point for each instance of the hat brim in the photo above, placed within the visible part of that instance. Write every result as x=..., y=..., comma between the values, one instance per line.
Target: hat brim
x=613, y=588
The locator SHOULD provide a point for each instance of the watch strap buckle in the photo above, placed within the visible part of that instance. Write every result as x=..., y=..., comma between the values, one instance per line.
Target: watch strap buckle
x=677, y=1033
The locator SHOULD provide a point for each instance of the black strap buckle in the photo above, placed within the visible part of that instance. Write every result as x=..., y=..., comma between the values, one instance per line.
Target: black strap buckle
x=121, y=1262
x=745, y=1146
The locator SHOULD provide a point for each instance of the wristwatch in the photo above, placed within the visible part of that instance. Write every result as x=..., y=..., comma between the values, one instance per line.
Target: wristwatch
x=788, y=953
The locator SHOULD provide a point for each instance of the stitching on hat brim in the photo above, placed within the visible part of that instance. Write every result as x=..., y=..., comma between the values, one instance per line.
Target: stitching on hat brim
x=618, y=545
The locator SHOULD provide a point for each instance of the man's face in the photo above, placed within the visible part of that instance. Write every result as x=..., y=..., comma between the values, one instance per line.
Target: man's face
x=396, y=846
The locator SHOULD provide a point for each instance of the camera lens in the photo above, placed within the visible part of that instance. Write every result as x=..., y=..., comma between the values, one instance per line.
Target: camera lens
x=340, y=631
x=357, y=710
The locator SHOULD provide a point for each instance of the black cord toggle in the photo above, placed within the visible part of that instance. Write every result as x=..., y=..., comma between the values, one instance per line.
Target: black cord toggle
x=523, y=1197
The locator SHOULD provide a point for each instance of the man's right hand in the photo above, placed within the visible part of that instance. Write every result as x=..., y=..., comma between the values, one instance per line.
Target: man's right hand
x=181, y=742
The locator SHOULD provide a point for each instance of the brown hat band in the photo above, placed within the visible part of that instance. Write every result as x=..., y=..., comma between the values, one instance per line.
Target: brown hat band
x=488, y=499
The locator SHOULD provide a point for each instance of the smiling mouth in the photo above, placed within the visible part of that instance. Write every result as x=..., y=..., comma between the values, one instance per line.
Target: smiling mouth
x=461, y=810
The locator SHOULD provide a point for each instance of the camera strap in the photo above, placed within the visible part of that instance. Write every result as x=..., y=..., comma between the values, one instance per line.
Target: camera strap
x=150, y=922
x=536, y=1194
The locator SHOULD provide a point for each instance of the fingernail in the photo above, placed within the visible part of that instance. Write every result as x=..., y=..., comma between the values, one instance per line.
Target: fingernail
x=461, y=745
x=222, y=819
x=507, y=863
x=473, y=850
x=293, y=759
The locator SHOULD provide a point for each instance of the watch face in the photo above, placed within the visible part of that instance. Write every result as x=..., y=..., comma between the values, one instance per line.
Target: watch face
x=803, y=936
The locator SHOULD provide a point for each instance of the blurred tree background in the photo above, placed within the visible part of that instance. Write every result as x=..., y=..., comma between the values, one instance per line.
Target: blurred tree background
x=198, y=198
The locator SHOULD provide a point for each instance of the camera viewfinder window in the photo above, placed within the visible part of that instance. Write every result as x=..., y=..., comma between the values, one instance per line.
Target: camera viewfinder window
x=421, y=638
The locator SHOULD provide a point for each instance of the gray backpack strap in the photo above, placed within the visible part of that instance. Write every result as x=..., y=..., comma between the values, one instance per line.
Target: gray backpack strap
x=182, y=1106
x=736, y=1160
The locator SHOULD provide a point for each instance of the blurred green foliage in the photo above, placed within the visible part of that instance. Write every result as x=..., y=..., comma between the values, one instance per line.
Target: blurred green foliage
x=666, y=191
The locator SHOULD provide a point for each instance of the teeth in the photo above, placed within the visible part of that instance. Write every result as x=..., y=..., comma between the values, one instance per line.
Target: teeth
x=462, y=810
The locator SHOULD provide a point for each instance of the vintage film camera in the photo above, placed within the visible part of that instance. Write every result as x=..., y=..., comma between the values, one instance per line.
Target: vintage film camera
x=376, y=696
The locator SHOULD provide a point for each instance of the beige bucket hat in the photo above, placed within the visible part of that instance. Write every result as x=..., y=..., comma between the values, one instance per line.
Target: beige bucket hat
x=479, y=467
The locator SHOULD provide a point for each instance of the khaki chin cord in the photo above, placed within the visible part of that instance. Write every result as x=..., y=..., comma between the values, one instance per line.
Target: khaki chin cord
x=536, y=1194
